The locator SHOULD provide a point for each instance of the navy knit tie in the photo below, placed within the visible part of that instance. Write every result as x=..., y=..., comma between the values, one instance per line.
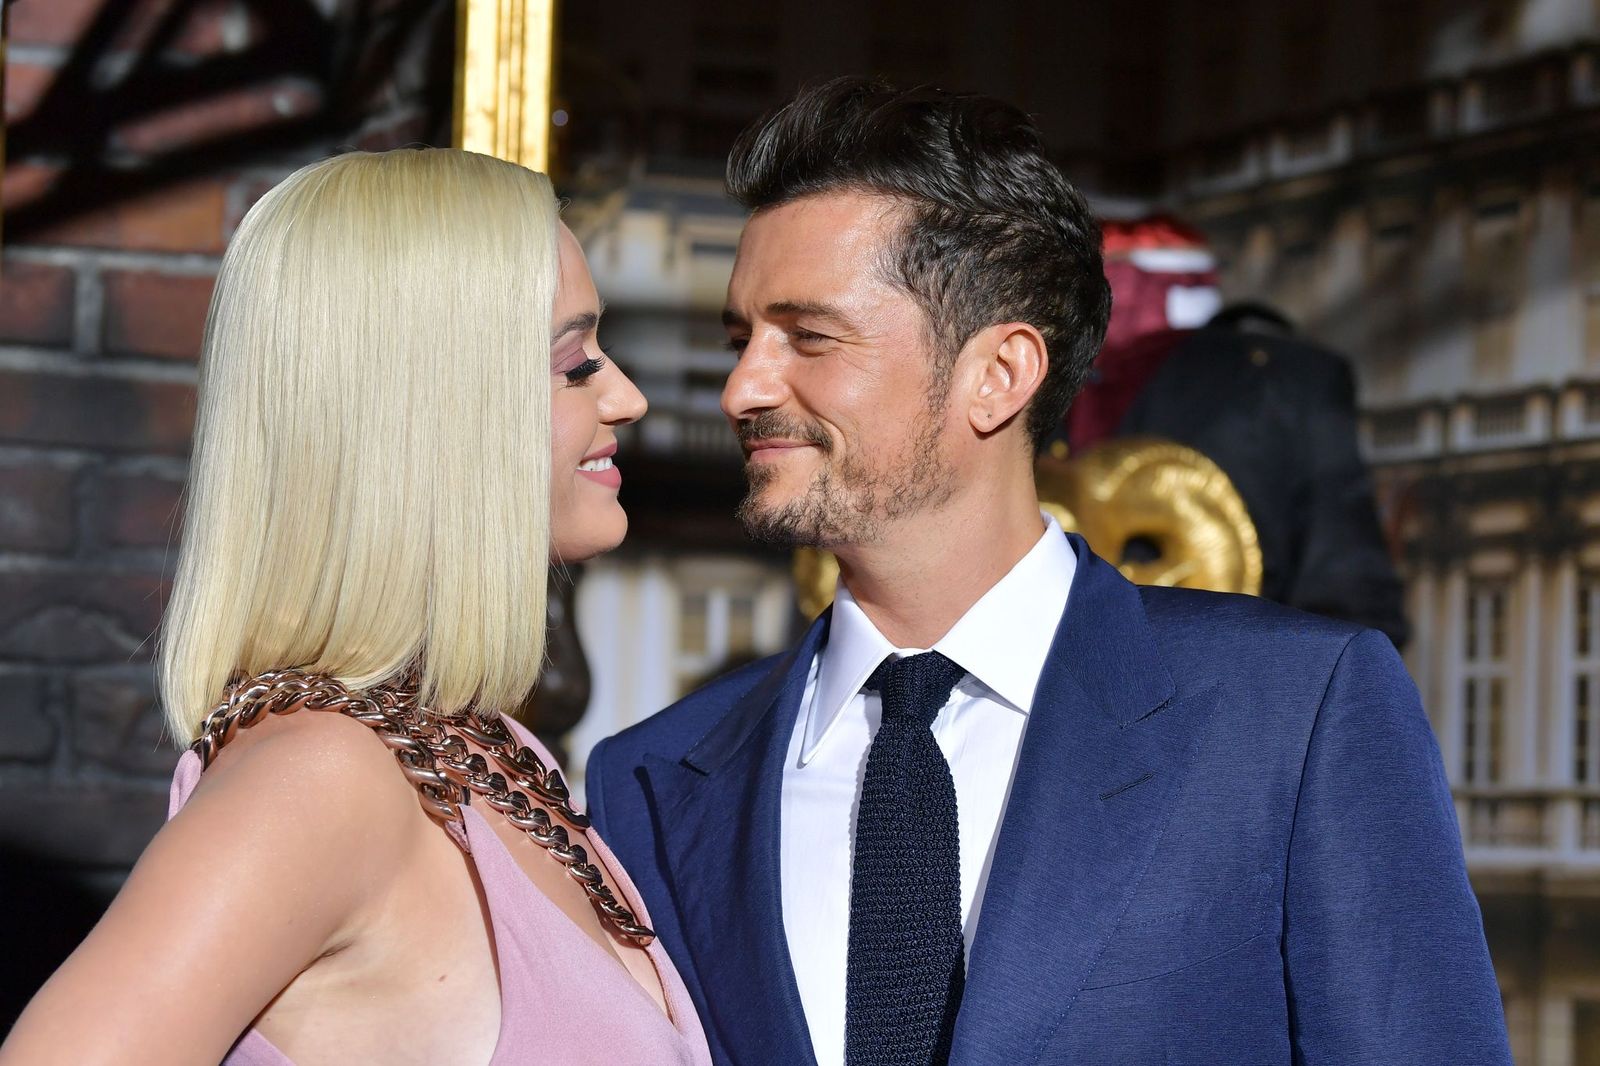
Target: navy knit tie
x=906, y=967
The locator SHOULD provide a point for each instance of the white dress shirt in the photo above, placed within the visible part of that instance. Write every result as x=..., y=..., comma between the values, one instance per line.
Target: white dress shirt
x=1002, y=641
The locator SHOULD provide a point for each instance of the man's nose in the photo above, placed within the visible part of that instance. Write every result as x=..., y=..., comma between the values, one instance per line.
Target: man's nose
x=756, y=383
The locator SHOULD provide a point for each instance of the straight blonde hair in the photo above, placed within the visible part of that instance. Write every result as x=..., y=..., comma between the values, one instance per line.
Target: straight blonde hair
x=369, y=490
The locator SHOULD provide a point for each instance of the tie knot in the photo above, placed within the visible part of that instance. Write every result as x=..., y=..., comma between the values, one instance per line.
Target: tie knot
x=917, y=685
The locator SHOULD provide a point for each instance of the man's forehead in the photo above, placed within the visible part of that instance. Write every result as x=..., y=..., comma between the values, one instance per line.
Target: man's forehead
x=822, y=250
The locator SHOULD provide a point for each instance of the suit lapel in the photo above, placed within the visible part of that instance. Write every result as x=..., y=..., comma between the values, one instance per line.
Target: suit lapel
x=719, y=822
x=1097, y=775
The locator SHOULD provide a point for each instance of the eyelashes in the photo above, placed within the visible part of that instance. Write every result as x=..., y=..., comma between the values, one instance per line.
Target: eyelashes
x=584, y=371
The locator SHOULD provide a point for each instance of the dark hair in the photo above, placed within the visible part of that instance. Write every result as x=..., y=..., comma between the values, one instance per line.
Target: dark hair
x=994, y=233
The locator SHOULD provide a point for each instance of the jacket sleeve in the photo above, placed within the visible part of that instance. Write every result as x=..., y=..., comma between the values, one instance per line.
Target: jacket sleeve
x=1341, y=566
x=594, y=790
x=1384, y=952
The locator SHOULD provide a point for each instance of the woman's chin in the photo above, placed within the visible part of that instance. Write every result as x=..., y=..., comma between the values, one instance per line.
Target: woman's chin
x=591, y=539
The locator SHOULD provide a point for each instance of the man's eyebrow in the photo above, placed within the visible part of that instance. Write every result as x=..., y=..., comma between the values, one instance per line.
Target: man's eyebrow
x=732, y=319
x=580, y=323
x=809, y=308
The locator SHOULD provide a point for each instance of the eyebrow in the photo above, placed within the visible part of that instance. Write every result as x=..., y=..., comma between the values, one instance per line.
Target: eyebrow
x=792, y=309
x=580, y=323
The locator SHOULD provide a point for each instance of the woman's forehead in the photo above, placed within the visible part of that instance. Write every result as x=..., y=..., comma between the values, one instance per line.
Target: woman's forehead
x=576, y=286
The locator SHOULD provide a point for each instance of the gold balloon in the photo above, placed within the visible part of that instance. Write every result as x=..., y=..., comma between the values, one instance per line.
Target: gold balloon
x=1164, y=498
x=816, y=572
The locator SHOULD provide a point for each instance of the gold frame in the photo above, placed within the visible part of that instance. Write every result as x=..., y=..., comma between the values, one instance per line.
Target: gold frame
x=5, y=19
x=505, y=53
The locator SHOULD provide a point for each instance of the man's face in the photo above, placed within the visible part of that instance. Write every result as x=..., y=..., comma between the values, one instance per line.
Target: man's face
x=836, y=397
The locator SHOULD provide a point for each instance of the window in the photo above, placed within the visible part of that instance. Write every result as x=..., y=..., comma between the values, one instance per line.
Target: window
x=1586, y=682
x=1589, y=826
x=1496, y=258
x=1485, y=681
x=1587, y=265
x=694, y=624
x=726, y=618
x=1393, y=306
x=741, y=624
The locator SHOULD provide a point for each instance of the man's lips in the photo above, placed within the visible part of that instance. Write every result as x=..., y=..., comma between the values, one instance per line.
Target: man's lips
x=771, y=449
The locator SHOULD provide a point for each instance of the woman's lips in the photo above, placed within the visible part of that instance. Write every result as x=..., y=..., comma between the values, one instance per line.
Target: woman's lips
x=601, y=469
x=611, y=478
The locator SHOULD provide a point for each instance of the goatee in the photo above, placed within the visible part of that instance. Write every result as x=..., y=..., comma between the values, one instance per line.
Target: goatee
x=848, y=501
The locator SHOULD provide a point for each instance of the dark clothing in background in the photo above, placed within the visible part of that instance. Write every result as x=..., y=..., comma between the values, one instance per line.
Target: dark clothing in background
x=1279, y=417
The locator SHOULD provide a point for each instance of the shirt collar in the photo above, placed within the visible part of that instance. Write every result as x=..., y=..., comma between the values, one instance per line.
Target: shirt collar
x=1002, y=640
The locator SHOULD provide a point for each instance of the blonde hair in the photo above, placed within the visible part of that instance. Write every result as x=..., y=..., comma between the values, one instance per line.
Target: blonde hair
x=369, y=492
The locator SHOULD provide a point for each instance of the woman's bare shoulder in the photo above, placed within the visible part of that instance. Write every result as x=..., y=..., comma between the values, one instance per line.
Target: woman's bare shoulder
x=318, y=759
x=296, y=828
x=311, y=798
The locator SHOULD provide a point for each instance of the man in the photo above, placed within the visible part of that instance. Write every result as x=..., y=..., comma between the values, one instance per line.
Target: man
x=1094, y=823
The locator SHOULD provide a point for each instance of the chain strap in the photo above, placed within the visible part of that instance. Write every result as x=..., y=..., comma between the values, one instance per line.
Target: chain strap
x=435, y=758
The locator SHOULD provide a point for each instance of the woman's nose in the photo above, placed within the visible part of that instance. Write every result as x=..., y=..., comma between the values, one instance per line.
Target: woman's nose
x=624, y=403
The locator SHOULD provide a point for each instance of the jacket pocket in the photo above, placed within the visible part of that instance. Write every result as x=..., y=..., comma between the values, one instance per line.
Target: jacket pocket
x=1146, y=946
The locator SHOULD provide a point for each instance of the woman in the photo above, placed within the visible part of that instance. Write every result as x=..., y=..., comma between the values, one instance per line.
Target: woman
x=405, y=416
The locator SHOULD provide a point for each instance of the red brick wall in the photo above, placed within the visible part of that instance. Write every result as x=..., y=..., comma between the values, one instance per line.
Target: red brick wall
x=119, y=201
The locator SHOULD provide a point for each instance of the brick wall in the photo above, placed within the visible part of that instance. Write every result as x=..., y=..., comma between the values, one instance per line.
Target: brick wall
x=139, y=131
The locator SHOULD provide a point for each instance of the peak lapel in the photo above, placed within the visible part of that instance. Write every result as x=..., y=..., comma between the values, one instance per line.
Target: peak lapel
x=719, y=817
x=1099, y=770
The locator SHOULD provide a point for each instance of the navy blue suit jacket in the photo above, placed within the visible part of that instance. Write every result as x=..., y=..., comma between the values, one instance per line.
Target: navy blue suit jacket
x=1229, y=841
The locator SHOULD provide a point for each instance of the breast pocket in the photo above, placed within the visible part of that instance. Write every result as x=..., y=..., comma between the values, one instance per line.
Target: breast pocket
x=1146, y=946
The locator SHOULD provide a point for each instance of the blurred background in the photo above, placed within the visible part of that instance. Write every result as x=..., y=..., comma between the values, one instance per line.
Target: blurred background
x=1412, y=183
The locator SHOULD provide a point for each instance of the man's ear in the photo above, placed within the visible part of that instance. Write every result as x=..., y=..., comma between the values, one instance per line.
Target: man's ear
x=1011, y=361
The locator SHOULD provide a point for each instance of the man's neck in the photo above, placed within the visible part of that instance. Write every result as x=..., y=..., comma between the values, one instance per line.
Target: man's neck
x=918, y=581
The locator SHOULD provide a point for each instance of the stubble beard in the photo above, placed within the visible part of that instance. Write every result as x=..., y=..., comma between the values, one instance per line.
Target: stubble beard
x=849, y=501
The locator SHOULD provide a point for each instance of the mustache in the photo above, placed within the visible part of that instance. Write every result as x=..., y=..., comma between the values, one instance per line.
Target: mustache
x=771, y=425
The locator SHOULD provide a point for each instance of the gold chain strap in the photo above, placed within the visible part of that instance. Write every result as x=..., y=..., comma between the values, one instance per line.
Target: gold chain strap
x=435, y=758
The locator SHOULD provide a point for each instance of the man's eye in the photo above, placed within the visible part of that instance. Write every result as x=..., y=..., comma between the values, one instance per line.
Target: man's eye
x=737, y=344
x=805, y=336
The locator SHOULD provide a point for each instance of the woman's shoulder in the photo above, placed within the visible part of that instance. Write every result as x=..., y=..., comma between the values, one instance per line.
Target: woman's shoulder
x=313, y=781
x=322, y=753
x=282, y=856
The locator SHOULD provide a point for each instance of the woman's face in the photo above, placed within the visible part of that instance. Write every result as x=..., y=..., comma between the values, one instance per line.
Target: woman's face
x=590, y=397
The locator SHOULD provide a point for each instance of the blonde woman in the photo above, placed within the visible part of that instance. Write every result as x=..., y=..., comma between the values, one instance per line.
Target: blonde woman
x=404, y=417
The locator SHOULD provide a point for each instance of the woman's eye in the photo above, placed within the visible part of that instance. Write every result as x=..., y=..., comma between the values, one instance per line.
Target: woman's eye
x=584, y=371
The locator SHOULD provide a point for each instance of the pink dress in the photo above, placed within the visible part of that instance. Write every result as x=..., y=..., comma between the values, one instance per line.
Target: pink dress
x=544, y=958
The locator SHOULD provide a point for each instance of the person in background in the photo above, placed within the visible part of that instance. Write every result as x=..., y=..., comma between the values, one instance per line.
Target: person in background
x=1275, y=412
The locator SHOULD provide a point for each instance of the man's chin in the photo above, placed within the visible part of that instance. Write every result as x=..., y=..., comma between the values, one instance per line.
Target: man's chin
x=779, y=524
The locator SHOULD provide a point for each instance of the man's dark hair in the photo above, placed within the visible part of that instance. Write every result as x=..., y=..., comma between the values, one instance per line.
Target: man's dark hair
x=994, y=233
